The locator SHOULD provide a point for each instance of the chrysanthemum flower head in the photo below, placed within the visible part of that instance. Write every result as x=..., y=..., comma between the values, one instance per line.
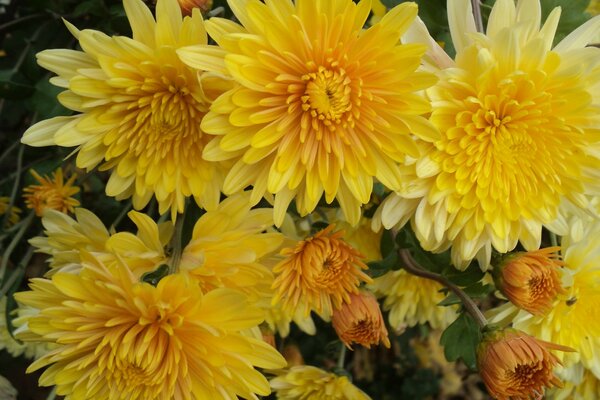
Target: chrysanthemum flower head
x=67, y=238
x=232, y=246
x=51, y=193
x=518, y=121
x=319, y=274
x=321, y=105
x=412, y=300
x=14, y=212
x=531, y=280
x=516, y=366
x=573, y=320
x=307, y=382
x=117, y=337
x=139, y=108
x=360, y=321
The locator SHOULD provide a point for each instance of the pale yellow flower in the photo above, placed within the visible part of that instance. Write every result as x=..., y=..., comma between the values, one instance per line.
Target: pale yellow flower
x=305, y=382
x=412, y=300
x=7, y=391
x=139, y=108
x=579, y=384
x=117, y=337
x=518, y=121
x=51, y=193
x=322, y=107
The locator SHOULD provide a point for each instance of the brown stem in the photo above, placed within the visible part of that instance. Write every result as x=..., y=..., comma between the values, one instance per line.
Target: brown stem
x=477, y=14
x=414, y=268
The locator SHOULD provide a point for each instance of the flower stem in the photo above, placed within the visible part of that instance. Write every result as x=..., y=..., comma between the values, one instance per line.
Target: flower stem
x=553, y=239
x=342, y=357
x=477, y=14
x=414, y=268
x=176, y=245
x=24, y=225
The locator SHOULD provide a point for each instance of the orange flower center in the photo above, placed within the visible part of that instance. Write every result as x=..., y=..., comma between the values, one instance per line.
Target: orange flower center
x=529, y=376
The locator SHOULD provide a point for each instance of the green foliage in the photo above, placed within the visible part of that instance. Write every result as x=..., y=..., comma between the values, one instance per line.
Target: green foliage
x=460, y=340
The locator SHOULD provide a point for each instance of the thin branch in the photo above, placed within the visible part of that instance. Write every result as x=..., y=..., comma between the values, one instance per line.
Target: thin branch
x=342, y=357
x=477, y=14
x=414, y=268
x=177, y=245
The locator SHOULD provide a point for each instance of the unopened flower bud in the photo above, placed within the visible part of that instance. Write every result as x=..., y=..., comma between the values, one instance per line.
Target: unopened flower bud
x=360, y=321
x=531, y=280
x=188, y=5
x=517, y=366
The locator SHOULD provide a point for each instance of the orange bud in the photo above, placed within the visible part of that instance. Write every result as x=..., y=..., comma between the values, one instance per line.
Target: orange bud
x=531, y=280
x=360, y=321
x=516, y=366
x=188, y=5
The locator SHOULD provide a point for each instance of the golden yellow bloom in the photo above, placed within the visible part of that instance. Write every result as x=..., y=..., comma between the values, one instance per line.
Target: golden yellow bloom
x=51, y=193
x=321, y=105
x=518, y=121
x=14, y=211
x=531, y=280
x=188, y=5
x=360, y=321
x=412, y=300
x=516, y=366
x=120, y=338
x=139, y=108
x=232, y=246
x=279, y=320
x=319, y=274
x=573, y=320
x=305, y=382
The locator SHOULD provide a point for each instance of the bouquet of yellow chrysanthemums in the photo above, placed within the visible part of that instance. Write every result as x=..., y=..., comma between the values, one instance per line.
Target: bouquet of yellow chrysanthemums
x=309, y=199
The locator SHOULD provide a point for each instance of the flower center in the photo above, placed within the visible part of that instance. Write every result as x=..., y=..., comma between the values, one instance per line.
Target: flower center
x=499, y=148
x=528, y=375
x=327, y=95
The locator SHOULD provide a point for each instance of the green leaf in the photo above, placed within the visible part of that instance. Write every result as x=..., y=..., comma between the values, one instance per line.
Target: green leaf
x=387, y=244
x=460, y=340
x=13, y=85
x=378, y=268
x=44, y=101
x=467, y=277
x=155, y=276
x=475, y=291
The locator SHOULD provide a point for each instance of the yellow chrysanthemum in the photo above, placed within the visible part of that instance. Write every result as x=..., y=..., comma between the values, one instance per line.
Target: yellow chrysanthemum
x=279, y=320
x=573, y=320
x=305, y=382
x=318, y=274
x=579, y=384
x=321, y=105
x=519, y=124
x=51, y=193
x=412, y=300
x=139, y=108
x=120, y=338
x=232, y=247
x=14, y=211
x=66, y=238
